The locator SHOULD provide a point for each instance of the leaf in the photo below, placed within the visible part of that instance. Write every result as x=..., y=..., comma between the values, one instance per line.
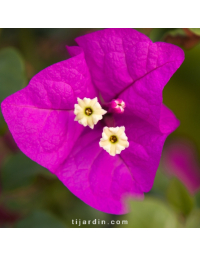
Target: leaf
x=193, y=221
x=4, y=151
x=183, y=87
x=182, y=37
x=161, y=183
x=55, y=197
x=150, y=213
x=19, y=171
x=196, y=31
x=40, y=219
x=157, y=34
x=175, y=32
x=12, y=75
x=12, y=72
x=197, y=199
x=179, y=197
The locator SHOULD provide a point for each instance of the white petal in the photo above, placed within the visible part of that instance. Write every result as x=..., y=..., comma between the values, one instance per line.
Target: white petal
x=104, y=136
x=77, y=109
x=86, y=101
x=83, y=121
x=107, y=147
x=96, y=118
x=79, y=116
x=93, y=101
x=80, y=103
x=123, y=136
x=120, y=147
x=114, y=130
x=97, y=105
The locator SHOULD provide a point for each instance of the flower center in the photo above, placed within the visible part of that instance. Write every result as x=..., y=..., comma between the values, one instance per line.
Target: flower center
x=88, y=111
x=113, y=139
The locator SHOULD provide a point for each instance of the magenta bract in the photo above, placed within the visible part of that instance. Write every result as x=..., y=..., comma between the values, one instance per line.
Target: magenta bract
x=116, y=64
x=180, y=160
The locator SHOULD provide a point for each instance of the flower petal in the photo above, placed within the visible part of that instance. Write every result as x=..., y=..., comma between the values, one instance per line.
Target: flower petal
x=144, y=98
x=117, y=58
x=145, y=145
x=100, y=180
x=104, y=181
x=40, y=117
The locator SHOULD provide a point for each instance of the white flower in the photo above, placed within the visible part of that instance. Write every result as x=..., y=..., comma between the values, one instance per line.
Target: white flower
x=88, y=112
x=114, y=140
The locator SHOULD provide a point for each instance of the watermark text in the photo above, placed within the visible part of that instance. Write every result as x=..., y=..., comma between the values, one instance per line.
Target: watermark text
x=80, y=222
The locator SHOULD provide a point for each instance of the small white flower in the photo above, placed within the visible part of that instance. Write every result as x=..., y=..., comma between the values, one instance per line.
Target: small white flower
x=88, y=112
x=114, y=140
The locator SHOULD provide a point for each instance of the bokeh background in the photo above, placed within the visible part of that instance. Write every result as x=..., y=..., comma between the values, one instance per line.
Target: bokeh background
x=30, y=196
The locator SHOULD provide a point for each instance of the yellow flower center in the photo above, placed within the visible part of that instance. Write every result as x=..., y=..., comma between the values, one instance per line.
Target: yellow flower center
x=113, y=139
x=88, y=111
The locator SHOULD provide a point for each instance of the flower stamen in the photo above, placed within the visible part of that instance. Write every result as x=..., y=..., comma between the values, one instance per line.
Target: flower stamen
x=88, y=111
x=113, y=139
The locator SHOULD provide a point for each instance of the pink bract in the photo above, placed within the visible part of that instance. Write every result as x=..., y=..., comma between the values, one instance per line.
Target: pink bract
x=180, y=160
x=117, y=63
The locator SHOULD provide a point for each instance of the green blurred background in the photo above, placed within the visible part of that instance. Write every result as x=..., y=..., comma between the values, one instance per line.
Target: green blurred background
x=30, y=196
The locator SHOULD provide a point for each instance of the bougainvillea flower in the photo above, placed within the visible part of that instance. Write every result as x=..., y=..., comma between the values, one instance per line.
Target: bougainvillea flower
x=88, y=112
x=180, y=160
x=114, y=140
x=108, y=64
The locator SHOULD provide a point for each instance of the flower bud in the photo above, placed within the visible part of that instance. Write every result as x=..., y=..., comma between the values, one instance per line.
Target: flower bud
x=117, y=106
